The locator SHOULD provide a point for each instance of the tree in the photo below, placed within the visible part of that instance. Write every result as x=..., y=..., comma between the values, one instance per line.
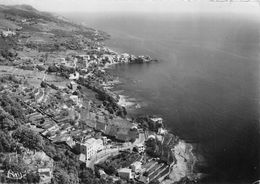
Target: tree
x=52, y=68
x=40, y=68
x=44, y=84
x=49, y=149
x=28, y=138
x=60, y=176
x=111, y=170
x=12, y=106
x=7, y=121
x=87, y=176
x=153, y=147
x=6, y=143
x=32, y=178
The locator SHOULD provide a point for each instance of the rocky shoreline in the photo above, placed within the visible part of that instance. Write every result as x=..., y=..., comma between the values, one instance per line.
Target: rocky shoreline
x=98, y=82
x=182, y=151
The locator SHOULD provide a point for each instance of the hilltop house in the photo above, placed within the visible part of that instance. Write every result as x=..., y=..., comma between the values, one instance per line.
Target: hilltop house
x=24, y=20
x=8, y=33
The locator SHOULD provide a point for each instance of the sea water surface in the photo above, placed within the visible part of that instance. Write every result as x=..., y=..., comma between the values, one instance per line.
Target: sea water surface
x=206, y=85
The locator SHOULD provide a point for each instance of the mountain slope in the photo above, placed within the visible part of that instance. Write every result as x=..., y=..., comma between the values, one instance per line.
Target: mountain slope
x=45, y=31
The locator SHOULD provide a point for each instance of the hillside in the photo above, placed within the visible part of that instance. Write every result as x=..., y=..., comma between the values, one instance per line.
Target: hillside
x=44, y=31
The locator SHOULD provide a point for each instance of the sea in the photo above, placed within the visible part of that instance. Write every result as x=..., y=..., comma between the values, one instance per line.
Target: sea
x=205, y=85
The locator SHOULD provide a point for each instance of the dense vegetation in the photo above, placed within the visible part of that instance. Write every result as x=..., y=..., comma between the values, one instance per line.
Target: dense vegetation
x=7, y=53
x=146, y=123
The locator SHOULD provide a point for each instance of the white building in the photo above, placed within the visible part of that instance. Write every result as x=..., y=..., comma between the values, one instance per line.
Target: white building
x=82, y=157
x=161, y=131
x=90, y=147
x=74, y=76
x=99, y=145
x=151, y=137
x=75, y=99
x=102, y=173
x=136, y=167
x=157, y=120
x=125, y=173
x=140, y=148
x=8, y=33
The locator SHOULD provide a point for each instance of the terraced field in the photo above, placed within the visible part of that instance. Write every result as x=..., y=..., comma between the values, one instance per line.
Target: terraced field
x=165, y=171
x=156, y=171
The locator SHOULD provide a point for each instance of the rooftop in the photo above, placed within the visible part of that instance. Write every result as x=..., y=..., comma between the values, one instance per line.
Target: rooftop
x=125, y=170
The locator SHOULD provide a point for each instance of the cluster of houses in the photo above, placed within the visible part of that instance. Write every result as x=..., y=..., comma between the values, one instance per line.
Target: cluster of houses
x=145, y=171
x=58, y=128
x=98, y=57
x=59, y=131
x=154, y=172
x=62, y=116
x=7, y=33
x=67, y=117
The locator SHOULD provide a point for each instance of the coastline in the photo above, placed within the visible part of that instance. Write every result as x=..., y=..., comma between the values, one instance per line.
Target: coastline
x=68, y=112
x=196, y=88
x=186, y=161
x=183, y=151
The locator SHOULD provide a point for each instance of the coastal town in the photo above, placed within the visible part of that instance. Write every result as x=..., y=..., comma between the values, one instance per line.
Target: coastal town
x=61, y=121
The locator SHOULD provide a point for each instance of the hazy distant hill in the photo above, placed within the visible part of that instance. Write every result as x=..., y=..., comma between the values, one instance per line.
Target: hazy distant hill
x=42, y=30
